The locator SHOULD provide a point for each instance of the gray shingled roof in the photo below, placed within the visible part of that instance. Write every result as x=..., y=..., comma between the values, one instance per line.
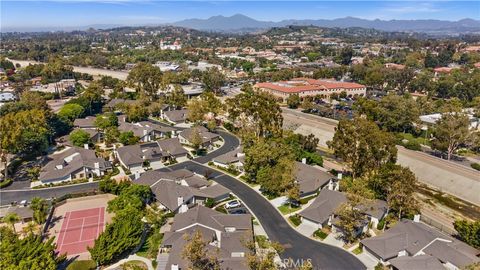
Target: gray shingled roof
x=71, y=160
x=172, y=146
x=214, y=191
x=115, y=101
x=22, y=212
x=205, y=135
x=130, y=154
x=229, y=157
x=176, y=116
x=421, y=262
x=376, y=209
x=309, y=178
x=205, y=218
x=167, y=193
x=324, y=205
x=87, y=122
x=455, y=252
x=211, y=218
x=405, y=235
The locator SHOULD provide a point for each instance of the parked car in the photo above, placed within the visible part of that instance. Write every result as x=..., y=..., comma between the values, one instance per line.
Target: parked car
x=232, y=204
x=238, y=211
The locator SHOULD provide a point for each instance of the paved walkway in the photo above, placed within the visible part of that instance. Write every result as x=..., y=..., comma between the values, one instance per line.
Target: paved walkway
x=131, y=258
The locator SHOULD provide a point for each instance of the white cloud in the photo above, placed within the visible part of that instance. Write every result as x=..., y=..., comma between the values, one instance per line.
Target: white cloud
x=413, y=8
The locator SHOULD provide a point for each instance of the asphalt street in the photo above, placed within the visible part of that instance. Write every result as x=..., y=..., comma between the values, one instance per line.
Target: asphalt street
x=297, y=246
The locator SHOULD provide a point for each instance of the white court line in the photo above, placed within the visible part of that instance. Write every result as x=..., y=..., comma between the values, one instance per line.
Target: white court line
x=64, y=232
x=81, y=231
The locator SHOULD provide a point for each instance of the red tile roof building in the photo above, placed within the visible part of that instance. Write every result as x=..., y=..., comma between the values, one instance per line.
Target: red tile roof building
x=311, y=87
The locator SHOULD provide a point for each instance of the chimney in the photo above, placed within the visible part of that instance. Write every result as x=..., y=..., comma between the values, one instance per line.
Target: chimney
x=304, y=160
x=175, y=267
x=137, y=175
x=416, y=218
x=85, y=146
x=96, y=165
x=339, y=176
x=180, y=200
x=59, y=166
x=144, y=132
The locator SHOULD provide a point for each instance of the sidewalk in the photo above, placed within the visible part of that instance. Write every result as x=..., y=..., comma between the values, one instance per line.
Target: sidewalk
x=130, y=258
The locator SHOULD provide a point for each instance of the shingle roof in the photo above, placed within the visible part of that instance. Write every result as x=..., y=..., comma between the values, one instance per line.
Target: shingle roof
x=69, y=161
x=229, y=157
x=130, y=154
x=205, y=135
x=421, y=262
x=455, y=252
x=211, y=218
x=172, y=146
x=324, y=205
x=22, y=212
x=167, y=193
x=405, y=235
x=87, y=122
x=176, y=116
x=309, y=178
x=214, y=191
x=305, y=84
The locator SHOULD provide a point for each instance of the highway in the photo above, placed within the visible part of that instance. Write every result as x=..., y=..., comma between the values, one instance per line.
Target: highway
x=122, y=75
x=450, y=177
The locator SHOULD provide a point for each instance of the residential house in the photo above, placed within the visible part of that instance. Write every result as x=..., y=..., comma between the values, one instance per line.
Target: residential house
x=321, y=212
x=401, y=244
x=113, y=104
x=145, y=130
x=175, y=116
x=207, y=139
x=311, y=179
x=235, y=158
x=84, y=123
x=223, y=233
x=375, y=211
x=24, y=213
x=73, y=163
x=152, y=154
x=179, y=190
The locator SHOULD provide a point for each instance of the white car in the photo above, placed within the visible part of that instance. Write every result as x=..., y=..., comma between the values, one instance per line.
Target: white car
x=232, y=204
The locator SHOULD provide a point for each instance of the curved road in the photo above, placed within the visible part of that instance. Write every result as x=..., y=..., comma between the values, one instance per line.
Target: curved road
x=297, y=246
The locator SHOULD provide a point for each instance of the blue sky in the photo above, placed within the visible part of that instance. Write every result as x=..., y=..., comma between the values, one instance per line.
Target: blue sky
x=68, y=13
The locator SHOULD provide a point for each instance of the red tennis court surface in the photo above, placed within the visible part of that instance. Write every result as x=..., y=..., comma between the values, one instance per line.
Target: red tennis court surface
x=80, y=229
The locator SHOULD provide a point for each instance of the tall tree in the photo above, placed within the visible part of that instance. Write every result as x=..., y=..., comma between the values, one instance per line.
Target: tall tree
x=196, y=251
x=349, y=220
x=79, y=137
x=146, y=79
x=40, y=208
x=27, y=253
x=213, y=79
x=255, y=111
x=11, y=219
x=363, y=146
x=450, y=132
x=469, y=232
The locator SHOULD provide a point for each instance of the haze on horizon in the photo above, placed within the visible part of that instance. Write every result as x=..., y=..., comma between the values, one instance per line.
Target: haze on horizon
x=68, y=14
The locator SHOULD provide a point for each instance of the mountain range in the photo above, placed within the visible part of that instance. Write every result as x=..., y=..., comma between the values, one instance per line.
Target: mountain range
x=239, y=22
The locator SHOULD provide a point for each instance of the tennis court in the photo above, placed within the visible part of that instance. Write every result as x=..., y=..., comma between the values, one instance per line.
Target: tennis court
x=79, y=229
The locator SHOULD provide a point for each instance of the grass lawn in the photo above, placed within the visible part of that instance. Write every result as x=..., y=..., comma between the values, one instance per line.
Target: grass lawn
x=410, y=137
x=357, y=251
x=295, y=219
x=82, y=265
x=134, y=265
x=287, y=209
x=244, y=179
x=262, y=241
x=320, y=234
x=150, y=252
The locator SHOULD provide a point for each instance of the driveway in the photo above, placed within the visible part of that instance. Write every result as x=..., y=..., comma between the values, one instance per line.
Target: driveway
x=297, y=246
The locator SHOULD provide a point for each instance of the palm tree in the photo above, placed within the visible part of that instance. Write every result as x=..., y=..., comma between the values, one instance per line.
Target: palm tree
x=11, y=218
x=29, y=228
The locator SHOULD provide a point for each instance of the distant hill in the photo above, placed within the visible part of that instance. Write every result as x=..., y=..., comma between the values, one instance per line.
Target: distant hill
x=238, y=22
